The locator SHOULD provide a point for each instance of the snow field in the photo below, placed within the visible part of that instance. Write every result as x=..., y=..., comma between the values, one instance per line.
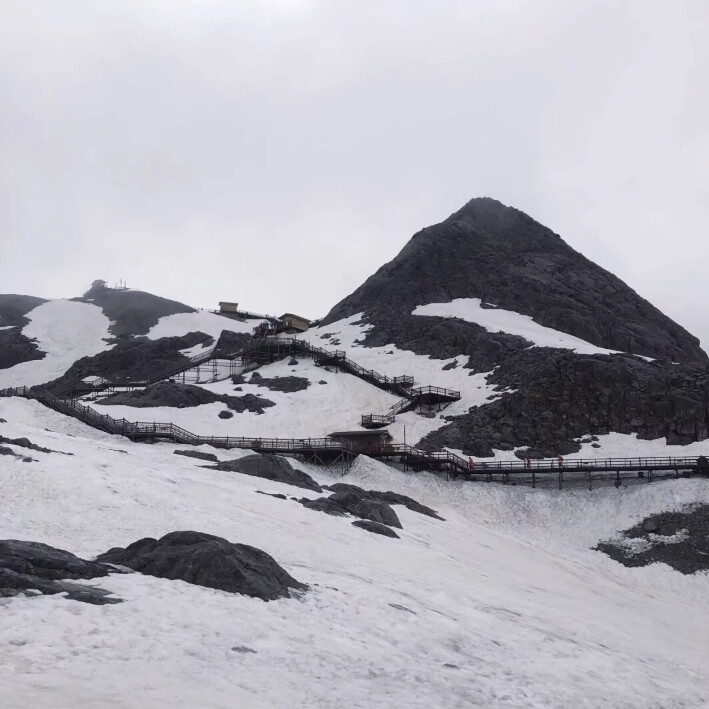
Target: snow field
x=502, y=605
x=311, y=413
x=66, y=330
x=202, y=321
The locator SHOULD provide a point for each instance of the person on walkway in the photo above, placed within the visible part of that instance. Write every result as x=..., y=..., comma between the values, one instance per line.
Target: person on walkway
x=560, y=460
x=527, y=463
x=471, y=464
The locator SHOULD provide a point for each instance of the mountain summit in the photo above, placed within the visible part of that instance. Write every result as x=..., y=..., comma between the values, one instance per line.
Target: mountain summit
x=500, y=255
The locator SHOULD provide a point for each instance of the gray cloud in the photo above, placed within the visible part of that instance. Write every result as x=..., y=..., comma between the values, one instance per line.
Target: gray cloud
x=276, y=153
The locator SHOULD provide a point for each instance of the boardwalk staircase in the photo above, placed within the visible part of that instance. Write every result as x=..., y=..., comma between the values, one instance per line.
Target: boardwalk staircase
x=420, y=397
x=215, y=365
x=330, y=451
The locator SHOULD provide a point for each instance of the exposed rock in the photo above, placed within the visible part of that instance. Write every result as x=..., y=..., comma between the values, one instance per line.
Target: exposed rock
x=285, y=384
x=355, y=501
x=391, y=498
x=292, y=362
x=549, y=398
x=16, y=348
x=277, y=495
x=375, y=527
x=200, y=455
x=184, y=396
x=322, y=381
x=35, y=567
x=206, y=560
x=503, y=257
x=131, y=312
x=678, y=539
x=131, y=360
x=366, y=508
x=226, y=414
x=231, y=342
x=450, y=365
x=560, y=396
x=324, y=504
x=26, y=443
x=270, y=467
x=14, y=309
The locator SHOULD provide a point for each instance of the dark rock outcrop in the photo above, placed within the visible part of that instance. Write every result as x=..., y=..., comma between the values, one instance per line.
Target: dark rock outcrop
x=558, y=397
x=16, y=348
x=391, y=498
x=131, y=360
x=207, y=560
x=14, y=308
x=26, y=443
x=678, y=539
x=35, y=567
x=356, y=502
x=230, y=342
x=200, y=455
x=502, y=256
x=285, y=384
x=270, y=467
x=376, y=528
x=184, y=396
x=131, y=312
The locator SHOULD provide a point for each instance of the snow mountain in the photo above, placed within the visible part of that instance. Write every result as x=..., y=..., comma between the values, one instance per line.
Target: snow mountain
x=487, y=337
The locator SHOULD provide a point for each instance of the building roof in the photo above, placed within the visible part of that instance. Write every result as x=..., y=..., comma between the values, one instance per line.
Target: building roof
x=293, y=315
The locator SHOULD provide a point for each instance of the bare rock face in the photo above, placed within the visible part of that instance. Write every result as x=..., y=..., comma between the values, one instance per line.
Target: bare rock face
x=14, y=346
x=503, y=257
x=185, y=396
x=270, y=467
x=496, y=253
x=375, y=528
x=350, y=499
x=131, y=312
x=206, y=560
x=390, y=498
x=32, y=567
x=559, y=397
x=199, y=455
x=678, y=539
x=131, y=360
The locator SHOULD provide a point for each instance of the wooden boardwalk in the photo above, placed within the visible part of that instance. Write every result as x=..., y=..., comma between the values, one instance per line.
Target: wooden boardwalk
x=326, y=451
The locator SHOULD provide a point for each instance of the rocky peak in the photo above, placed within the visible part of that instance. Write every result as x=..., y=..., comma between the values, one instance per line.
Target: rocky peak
x=501, y=255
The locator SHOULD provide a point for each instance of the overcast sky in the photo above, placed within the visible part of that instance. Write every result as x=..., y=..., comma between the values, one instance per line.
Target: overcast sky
x=277, y=152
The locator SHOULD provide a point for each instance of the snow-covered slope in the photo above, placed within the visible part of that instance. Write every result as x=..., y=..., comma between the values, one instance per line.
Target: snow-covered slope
x=201, y=321
x=503, y=604
x=66, y=331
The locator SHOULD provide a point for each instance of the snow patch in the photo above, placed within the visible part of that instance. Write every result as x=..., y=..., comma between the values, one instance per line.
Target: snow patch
x=509, y=322
x=202, y=321
x=66, y=330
